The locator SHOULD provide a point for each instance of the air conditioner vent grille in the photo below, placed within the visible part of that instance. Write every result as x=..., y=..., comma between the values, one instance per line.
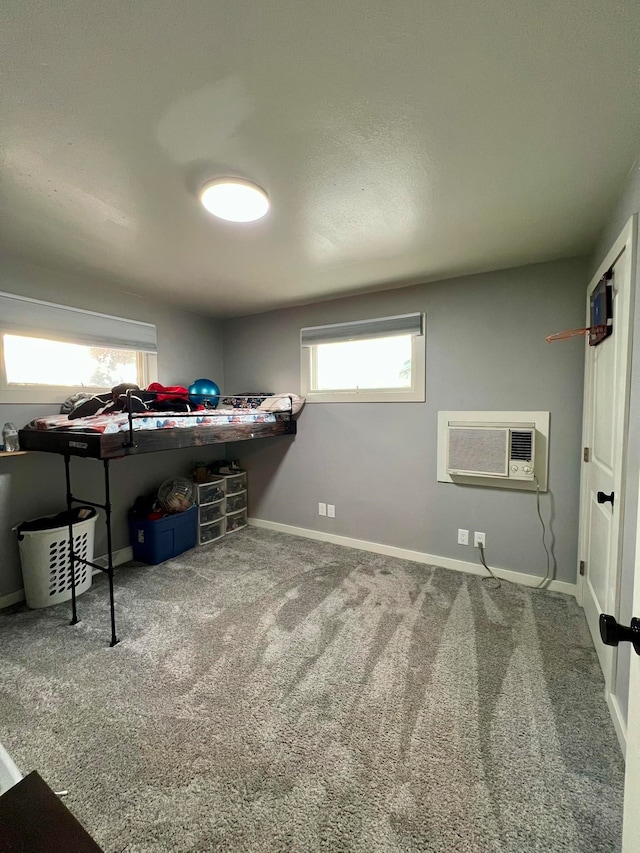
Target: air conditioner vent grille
x=522, y=445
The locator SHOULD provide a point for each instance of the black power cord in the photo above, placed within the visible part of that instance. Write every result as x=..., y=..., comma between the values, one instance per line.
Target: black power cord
x=493, y=582
x=547, y=576
x=496, y=582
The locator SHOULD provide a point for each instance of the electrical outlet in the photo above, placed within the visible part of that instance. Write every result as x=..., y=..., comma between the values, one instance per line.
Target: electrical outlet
x=331, y=510
x=478, y=539
x=463, y=536
x=322, y=509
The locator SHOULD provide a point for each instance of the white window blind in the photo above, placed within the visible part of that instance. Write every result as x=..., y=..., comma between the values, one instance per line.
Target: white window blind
x=382, y=327
x=33, y=317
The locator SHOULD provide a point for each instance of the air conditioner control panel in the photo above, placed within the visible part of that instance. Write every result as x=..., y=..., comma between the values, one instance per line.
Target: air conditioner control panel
x=524, y=471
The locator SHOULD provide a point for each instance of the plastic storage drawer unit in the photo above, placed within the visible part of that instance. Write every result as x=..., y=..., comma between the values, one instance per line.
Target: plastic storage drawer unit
x=236, y=521
x=156, y=541
x=236, y=482
x=214, y=531
x=211, y=512
x=236, y=502
x=212, y=491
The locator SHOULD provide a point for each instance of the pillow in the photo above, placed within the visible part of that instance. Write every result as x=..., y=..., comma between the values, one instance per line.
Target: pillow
x=282, y=403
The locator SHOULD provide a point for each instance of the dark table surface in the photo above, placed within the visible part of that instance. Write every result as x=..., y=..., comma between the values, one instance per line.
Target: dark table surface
x=34, y=820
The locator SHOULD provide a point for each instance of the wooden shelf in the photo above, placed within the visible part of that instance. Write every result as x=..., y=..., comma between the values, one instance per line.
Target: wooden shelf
x=14, y=453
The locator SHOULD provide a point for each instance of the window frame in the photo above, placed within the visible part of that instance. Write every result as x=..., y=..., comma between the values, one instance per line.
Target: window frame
x=12, y=393
x=416, y=393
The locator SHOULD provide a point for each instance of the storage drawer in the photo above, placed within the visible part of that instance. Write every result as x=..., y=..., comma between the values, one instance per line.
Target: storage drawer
x=212, y=512
x=236, y=483
x=236, y=502
x=236, y=521
x=212, y=532
x=210, y=492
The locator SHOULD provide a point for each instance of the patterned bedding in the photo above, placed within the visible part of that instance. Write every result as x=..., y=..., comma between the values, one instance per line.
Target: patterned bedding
x=159, y=420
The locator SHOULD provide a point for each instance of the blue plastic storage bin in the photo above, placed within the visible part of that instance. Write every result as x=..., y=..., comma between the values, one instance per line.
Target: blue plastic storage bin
x=156, y=541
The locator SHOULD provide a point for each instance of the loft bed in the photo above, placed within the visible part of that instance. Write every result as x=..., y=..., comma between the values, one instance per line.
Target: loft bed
x=129, y=433
x=81, y=438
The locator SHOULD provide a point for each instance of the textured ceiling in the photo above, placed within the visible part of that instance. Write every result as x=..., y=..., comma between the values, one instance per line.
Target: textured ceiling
x=399, y=141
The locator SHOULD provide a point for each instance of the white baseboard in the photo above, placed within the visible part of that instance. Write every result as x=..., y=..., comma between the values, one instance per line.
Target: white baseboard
x=12, y=598
x=122, y=555
x=414, y=556
x=618, y=720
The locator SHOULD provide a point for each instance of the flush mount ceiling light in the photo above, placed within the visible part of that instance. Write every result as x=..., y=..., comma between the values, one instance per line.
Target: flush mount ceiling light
x=235, y=199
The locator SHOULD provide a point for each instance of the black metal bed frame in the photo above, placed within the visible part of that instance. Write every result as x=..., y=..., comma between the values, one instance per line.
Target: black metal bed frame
x=106, y=506
x=73, y=557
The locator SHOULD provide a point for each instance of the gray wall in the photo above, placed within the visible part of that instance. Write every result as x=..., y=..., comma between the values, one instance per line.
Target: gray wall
x=628, y=205
x=189, y=346
x=486, y=349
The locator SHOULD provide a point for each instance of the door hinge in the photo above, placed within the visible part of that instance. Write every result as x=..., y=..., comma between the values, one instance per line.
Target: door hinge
x=582, y=567
x=585, y=454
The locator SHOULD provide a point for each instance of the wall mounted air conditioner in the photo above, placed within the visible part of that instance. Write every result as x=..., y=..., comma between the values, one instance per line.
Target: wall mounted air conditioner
x=505, y=449
x=491, y=450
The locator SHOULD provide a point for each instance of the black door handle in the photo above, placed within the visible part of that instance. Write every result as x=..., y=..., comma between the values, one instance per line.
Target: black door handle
x=613, y=633
x=603, y=498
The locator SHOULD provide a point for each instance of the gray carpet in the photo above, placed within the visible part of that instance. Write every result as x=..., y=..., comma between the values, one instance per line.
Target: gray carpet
x=276, y=694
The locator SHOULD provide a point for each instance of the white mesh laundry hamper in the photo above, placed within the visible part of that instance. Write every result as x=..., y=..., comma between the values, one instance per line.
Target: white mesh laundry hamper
x=46, y=568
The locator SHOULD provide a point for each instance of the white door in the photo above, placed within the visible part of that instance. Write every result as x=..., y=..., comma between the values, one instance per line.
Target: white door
x=631, y=834
x=605, y=415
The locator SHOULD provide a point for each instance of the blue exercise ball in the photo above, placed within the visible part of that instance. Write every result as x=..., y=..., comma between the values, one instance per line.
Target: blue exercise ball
x=205, y=392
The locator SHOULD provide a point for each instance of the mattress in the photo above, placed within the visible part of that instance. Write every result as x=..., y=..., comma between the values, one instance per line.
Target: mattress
x=119, y=422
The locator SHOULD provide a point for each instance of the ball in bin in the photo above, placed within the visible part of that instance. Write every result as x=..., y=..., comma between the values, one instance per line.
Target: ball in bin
x=205, y=392
x=176, y=495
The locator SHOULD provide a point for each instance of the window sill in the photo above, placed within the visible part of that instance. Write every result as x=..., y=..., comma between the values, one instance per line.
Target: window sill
x=365, y=397
x=15, y=452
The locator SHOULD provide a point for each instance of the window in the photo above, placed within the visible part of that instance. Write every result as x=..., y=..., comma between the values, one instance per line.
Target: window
x=48, y=352
x=381, y=360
